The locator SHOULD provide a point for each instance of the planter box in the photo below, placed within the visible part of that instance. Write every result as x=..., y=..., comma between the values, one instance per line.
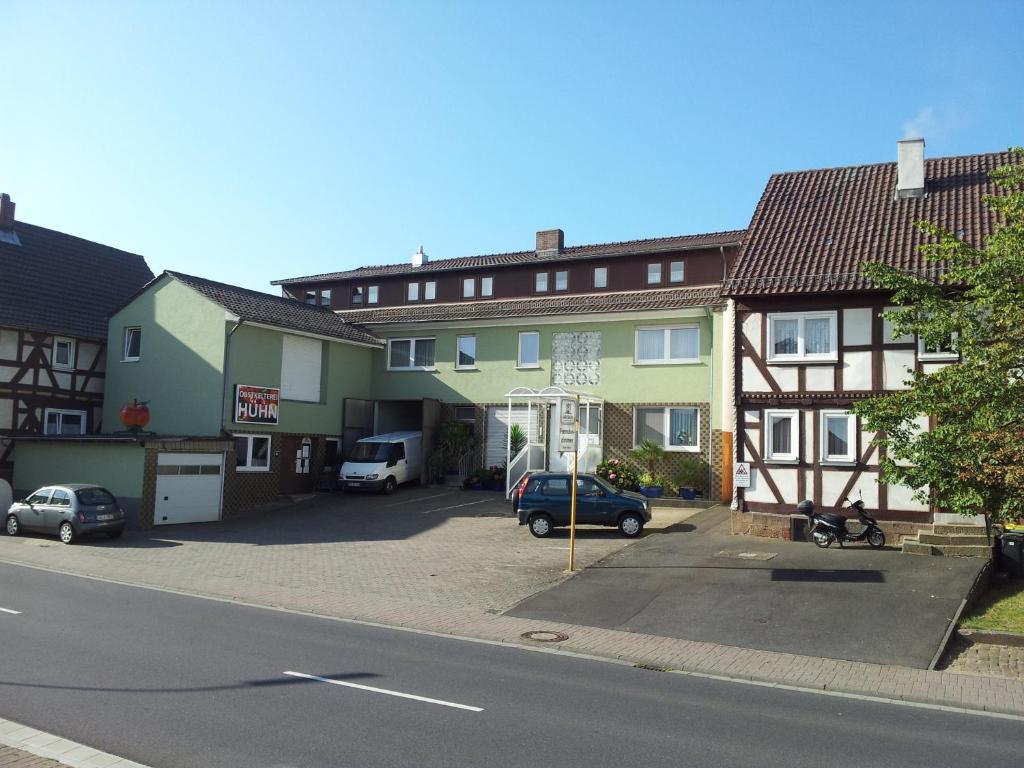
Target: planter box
x=651, y=491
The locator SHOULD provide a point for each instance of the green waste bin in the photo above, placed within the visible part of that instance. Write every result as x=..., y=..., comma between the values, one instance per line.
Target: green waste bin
x=1011, y=551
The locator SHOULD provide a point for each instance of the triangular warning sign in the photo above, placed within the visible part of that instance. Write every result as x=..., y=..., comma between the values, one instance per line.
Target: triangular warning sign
x=741, y=470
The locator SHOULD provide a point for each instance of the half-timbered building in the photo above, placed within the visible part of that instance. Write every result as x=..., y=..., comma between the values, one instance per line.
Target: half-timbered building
x=56, y=293
x=809, y=337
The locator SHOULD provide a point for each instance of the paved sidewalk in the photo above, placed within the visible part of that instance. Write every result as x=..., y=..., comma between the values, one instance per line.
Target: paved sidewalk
x=315, y=576
x=967, y=657
x=24, y=747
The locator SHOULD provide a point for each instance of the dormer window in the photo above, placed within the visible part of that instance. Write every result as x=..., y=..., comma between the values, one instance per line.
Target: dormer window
x=541, y=282
x=468, y=288
x=562, y=280
x=600, y=277
x=325, y=297
x=653, y=274
x=429, y=290
x=357, y=297
x=486, y=286
x=309, y=297
x=413, y=292
x=676, y=272
x=371, y=294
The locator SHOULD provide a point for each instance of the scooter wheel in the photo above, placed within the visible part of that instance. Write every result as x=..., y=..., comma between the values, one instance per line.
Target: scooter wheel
x=876, y=539
x=821, y=539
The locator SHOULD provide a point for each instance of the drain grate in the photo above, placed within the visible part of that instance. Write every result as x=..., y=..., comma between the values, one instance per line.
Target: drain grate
x=544, y=636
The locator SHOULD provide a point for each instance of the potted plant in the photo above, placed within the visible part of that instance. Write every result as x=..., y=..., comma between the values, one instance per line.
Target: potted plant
x=649, y=453
x=497, y=478
x=691, y=477
x=618, y=473
x=516, y=440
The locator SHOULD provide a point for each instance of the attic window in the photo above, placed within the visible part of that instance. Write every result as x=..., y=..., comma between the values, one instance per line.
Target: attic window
x=325, y=297
x=357, y=296
x=310, y=297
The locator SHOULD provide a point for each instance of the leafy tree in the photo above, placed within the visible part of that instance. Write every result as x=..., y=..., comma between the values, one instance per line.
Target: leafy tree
x=972, y=459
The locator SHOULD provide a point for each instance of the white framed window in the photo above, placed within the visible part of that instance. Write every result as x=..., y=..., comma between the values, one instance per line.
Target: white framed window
x=60, y=422
x=486, y=286
x=468, y=288
x=529, y=349
x=653, y=274
x=252, y=453
x=945, y=351
x=802, y=336
x=465, y=353
x=63, y=352
x=357, y=296
x=590, y=419
x=677, y=344
x=541, y=282
x=781, y=435
x=838, y=436
x=465, y=414
x=429, y=290
x=562, y=280
x=674, y=429
x=411, y=354
x=132, y=349
x=372, y=294
x=412, y=292
x=325, y=297
x=676, y=272
x=600, y=277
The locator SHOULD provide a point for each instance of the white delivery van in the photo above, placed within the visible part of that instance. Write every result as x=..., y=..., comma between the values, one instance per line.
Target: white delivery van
x=382, y=462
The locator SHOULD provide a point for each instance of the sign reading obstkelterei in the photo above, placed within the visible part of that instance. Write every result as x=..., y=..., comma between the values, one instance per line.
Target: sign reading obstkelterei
x=256, y=405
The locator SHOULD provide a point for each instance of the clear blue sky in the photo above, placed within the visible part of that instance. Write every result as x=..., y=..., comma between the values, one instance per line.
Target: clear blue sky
x=251, y=141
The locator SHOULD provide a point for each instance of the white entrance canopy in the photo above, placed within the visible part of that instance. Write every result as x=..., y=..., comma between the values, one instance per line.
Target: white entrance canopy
x=533, y=457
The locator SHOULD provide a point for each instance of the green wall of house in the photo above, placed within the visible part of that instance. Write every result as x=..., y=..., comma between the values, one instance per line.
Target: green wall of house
x=116, y=466
x=622, y=380
x=180, y=366
x=254, y=358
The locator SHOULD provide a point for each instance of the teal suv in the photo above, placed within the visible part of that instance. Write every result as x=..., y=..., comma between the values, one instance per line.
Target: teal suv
x=543, y=501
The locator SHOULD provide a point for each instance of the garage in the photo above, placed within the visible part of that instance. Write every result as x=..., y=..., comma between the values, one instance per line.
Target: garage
x=189, y=488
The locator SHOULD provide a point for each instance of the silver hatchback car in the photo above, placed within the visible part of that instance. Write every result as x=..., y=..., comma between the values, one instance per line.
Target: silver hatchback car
x=69, y=511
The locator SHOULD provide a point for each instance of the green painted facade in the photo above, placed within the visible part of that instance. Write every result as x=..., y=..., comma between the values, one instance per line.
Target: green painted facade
x=118, y=467
x=622, y=379
x=181, y=362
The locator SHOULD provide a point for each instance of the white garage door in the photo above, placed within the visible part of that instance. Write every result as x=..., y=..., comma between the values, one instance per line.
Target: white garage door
x=497, y=422
x=188, y=487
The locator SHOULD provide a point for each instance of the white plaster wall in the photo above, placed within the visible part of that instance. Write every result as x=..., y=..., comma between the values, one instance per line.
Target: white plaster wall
x=94, y=385
x=785, y=376
x=6, y=372
x=753, y=381
x=785, y=481
x=808, y=484
x=8, y=344
x=887, y=332
x=758, y=490
x=752, y=330
x=901, y=497
x=933, y=367
x=857, y=326
x=856, y=370
x=86, y=354
x=896, y=367
x=6, y=415
x=63, y=379
x=751, y=416
x=820, y=378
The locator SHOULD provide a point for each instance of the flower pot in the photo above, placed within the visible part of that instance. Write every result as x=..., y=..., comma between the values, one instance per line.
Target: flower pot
x=688, y=493
x=651, y=491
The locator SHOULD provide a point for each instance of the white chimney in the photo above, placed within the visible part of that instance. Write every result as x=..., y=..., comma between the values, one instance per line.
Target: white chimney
x=419, y=258
x=910, y=168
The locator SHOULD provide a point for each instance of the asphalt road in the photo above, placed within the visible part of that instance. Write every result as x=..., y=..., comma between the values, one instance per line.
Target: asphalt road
x=171, y=680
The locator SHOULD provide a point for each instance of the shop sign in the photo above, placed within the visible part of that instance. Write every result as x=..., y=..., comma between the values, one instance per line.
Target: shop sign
x=256, y=405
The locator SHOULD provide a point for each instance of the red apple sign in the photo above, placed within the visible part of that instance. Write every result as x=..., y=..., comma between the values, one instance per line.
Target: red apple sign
x=135, y=415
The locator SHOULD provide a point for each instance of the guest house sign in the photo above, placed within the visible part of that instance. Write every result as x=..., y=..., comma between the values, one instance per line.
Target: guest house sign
x=256, y=405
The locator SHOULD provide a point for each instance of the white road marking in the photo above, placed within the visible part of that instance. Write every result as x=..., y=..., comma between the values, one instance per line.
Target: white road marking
x=371, y=689
x=456, y=506
x=420, y=498
x=8, y=610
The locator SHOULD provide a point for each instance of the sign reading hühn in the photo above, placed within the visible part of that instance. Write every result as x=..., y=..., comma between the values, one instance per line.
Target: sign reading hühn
x=256, y=405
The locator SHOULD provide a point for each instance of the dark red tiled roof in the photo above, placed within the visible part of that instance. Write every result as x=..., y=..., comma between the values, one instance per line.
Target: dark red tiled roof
x=61, y=284
x=665, y=298
x=603, y=250
x=812, y=230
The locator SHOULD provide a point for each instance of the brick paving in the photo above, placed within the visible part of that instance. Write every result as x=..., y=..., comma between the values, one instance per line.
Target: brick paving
x=15, y=758
x=450, y=562
x=968, y=657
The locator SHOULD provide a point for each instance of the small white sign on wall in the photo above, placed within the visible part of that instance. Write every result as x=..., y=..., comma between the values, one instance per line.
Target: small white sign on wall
x=741, y=474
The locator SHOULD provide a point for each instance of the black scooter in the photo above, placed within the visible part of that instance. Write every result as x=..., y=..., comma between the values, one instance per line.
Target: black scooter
x=826, y=527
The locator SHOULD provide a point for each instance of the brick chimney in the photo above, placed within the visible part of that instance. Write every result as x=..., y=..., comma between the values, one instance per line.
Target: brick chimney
x=550, y=242
x=6, y=212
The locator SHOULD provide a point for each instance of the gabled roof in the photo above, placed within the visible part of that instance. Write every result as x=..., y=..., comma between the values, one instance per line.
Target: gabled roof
x=60, y=284
x=578, y=304
x=279, y=312
x=602, y=250
x=812, y=229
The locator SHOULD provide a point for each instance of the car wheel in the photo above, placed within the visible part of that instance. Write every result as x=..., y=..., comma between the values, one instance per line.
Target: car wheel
x=541, y=525
x=631, y=525
x=876, y=539
x=66, y=533
x=13, y=526
x=116, y=533
x=390, y=485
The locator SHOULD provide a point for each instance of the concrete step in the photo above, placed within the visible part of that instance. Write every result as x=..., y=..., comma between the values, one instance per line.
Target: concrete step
x=912, y=547
x=964, y=550
x=950, y=529
x=952, y=539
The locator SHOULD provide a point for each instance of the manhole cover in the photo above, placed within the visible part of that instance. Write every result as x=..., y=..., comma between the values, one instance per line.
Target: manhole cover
x=543, y=636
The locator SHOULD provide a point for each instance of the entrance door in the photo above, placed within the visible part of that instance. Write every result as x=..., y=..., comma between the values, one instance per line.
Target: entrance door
x=296, y=470
x=188, y=487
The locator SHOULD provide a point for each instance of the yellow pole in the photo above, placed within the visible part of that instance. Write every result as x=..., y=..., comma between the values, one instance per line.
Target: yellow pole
x=575, y=467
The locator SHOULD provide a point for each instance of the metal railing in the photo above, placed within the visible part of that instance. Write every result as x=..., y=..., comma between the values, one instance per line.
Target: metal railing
x=517, y=469
x=468, y=464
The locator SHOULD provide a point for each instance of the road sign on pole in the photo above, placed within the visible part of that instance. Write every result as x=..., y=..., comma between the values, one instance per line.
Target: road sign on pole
x=569, y=425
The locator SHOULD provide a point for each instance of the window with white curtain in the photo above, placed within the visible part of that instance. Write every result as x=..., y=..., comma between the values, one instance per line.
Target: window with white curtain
x=411, y=354
x=465, y=353
x=600, y=277
x=529, y=349
x=541, y=282
x=838, y=436
x=667, y=344
x=562, y=280
x=802, y=336
x=673, y=428
x=429, y=290
x=781, y=435
x=676, y=272
x=653, y=274
x=468, y=287
x=486, y=286
x=413, y=292
x=372, y=294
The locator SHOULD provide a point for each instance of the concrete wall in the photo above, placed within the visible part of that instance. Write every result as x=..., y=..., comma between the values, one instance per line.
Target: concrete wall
x=180, y=367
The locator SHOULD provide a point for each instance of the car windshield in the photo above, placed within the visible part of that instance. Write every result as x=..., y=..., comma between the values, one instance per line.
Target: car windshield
x=370, y=452
x=94, y=496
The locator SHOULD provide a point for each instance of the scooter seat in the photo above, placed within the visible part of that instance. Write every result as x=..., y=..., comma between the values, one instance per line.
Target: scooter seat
x=833, y=519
